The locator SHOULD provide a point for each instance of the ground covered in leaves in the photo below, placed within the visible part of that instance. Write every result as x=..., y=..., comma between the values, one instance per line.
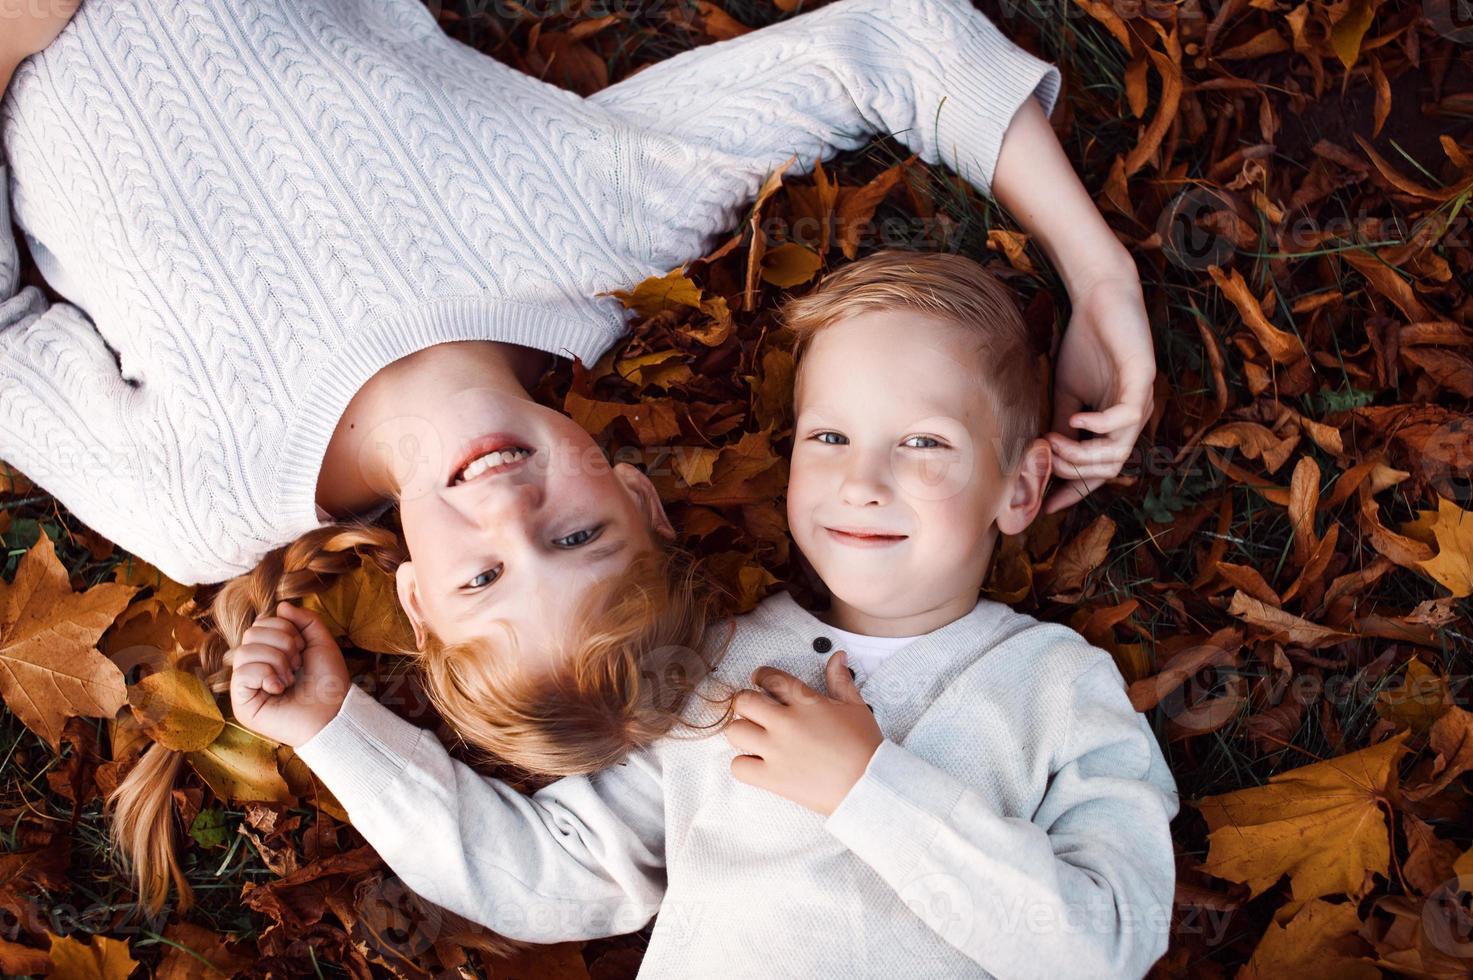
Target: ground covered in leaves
x=1282, y=572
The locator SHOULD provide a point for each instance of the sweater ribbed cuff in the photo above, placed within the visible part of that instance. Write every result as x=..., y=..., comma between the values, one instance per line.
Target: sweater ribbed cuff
x=891, y=815
x=986, y=81
x=361, y=752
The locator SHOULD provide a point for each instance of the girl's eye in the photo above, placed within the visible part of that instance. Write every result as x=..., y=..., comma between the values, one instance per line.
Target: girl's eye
x=472, y=583
x=836, y=435
x=590, y=531
x=935, y=443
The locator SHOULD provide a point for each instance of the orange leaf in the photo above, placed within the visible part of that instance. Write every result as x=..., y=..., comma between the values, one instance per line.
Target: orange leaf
x=50, y=668
x=1323, y=825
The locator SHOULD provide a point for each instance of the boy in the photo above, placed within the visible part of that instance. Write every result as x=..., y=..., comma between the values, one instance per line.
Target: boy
x=978, y=799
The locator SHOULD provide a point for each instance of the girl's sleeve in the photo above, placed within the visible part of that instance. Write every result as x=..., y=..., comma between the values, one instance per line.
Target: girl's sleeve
x=583, y=857
x=1083, y=889
x=65, y=409
x=710, y=123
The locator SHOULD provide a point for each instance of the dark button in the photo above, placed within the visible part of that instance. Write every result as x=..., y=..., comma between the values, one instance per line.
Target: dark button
x=823, y=644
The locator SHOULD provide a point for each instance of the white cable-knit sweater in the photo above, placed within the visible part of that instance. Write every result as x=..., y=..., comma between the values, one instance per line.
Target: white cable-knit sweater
x=260, y=203
x=1014, y=822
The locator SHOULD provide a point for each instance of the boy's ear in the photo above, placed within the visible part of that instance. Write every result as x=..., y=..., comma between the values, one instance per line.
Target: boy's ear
x=1024, y=495
x=647, y=498
x=409, y=599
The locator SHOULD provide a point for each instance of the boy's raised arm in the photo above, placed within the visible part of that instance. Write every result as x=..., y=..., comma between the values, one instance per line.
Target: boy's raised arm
x=582, y=858
x=1083, y=889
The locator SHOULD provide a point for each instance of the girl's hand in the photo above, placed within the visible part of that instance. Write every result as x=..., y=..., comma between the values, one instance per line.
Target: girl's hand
x=288, y=678
x=805, y=746
x=1105, y=361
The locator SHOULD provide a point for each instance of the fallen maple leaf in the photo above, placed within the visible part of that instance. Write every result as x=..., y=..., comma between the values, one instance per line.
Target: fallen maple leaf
x=1319, y=943
x=103, y=958
x=50, y=668
x=1323, y=825
x=177, y=710
x=364, y=607
x=1453, y=563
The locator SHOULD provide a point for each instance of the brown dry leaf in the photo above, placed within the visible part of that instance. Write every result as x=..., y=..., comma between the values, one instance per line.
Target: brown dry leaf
x=1282, y=346
x=50, y=668
x=654, y=420
x=1319, y=943
x=206, y=955
x=559, y=961
x=1013, y=245
x=177, y=710
x=1074, y=561
x=1451, y=737
x=364, y=607
x=1281, y=625
x=1254, y=441
x=103, y=958
x=1323, y=825
x=856, y=207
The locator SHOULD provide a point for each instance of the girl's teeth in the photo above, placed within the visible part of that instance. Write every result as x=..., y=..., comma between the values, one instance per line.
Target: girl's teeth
x=490, y=461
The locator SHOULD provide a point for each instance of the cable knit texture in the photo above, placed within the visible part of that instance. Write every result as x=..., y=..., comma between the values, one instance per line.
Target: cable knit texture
x=1013, y=823
x=260, y=203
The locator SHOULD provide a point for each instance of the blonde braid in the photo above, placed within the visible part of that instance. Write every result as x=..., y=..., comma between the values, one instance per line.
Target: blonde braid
x=140, y=808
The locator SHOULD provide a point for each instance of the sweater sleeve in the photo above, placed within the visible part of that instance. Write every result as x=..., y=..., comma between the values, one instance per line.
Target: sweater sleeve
x=715, y=120
x=65, y=407
x=582, y=858
x=1083, y=889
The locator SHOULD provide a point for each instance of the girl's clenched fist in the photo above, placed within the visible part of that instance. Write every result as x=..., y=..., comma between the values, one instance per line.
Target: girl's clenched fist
x=288, y=677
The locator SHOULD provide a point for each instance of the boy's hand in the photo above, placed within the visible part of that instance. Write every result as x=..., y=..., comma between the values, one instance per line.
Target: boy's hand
x=288, y=678
x=1105, y=361
x=805, y=746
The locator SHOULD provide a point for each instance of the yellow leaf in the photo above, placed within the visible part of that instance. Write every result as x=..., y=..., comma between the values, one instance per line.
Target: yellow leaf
x=364, y=607
x=1416, y=699
x=1319, y=943
x=1453, y=563
x=50, y=668
x=1350, y=30
x=177, y=709
x=103, y=958
x=1322, y=824
x=239, y=766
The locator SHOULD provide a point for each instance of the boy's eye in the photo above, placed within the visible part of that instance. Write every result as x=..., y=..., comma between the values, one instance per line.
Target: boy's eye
x=935, y=443
x=836, y=435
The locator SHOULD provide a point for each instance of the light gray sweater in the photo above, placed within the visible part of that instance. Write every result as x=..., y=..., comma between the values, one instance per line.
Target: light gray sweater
x=260, y=203
x=1014, y=822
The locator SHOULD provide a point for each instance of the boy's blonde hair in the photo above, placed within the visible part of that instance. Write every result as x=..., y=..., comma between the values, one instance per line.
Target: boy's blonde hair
x=640, y=647
x=953, y=288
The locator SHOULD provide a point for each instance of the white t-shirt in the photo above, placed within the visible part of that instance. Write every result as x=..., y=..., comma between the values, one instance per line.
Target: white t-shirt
x=865, y=653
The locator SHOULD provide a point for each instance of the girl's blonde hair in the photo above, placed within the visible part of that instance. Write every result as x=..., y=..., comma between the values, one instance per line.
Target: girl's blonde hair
x=640, y=648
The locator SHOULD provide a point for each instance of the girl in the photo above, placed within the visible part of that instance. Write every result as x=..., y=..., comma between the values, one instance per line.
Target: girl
x=288, y=222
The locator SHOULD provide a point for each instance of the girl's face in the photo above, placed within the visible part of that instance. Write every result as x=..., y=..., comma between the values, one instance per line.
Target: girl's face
x=518, y=543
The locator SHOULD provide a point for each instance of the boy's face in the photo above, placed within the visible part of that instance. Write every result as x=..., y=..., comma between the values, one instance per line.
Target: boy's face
x=894, y=437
